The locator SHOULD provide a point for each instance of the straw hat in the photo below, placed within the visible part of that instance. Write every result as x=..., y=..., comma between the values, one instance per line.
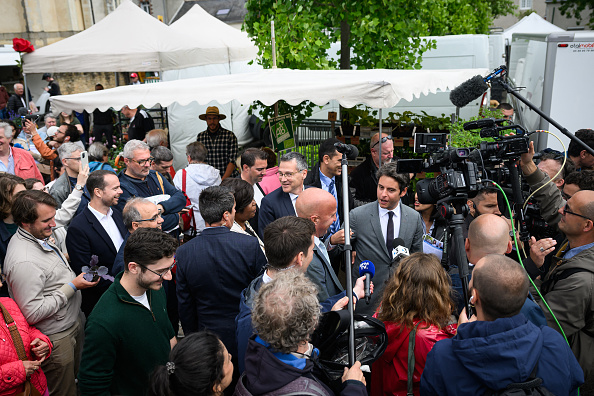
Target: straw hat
x=212, y=110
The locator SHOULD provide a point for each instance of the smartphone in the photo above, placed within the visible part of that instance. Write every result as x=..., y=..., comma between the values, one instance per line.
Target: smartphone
x=84, y=159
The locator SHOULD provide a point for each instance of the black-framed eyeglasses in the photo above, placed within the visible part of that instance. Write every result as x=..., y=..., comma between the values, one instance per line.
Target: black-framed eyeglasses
x=567, y=210
x=565, y=196
x=73, y=158
x=159, y=274
x=155, y=217
x=144, y=161
x=382, y=140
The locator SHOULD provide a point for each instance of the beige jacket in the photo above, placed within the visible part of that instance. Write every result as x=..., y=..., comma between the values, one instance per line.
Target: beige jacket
x=38, y=280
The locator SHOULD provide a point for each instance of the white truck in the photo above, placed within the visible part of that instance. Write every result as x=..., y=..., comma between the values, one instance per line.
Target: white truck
x=555, y=71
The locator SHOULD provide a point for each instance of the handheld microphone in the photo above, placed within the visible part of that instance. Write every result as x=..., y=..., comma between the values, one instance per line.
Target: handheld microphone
x=351, y=151
x=23, y=112
x=368, y=269
x=400, y=251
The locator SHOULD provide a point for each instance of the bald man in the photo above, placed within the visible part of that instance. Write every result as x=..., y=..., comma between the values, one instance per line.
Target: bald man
x=319, y=206
x=568, y=286
x=499, y=346
x=489, y=234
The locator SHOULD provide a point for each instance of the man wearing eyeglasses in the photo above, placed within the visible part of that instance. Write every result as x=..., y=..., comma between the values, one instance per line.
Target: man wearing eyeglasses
x=138, y=180
x=568, y=285
x=70, y=156
x=292, y=171
x=364, y=177
x=128, y=333
x=98, y=230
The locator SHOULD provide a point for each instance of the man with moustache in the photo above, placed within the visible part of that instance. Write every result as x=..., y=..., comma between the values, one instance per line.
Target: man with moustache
x=97, y=231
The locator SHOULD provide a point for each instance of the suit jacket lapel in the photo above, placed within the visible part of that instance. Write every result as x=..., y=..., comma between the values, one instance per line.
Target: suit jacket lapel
x=99, y=229
x=288, y=204
x=377, y=228
x=404, y=220
x=328, y=267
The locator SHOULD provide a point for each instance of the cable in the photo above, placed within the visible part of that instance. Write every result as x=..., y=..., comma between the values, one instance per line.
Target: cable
x=556, y=174
x=520, y=258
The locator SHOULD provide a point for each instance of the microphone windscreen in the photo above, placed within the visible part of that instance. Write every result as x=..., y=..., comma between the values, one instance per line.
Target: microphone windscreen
x=22, y=111
x=366, y=267
x=468, y=91
x=398, y=242
x=353, y=152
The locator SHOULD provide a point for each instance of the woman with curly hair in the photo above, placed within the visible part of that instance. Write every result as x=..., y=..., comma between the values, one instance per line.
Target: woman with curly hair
x=417, y=296
x=198, y=365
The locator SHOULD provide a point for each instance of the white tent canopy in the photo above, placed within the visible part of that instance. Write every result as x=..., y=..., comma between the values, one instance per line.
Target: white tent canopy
x=128, y=39
x=532, y=23
x=218, y=42
x=374, y=88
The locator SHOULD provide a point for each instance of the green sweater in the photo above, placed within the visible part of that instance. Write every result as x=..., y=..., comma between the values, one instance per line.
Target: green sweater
x=124, y=342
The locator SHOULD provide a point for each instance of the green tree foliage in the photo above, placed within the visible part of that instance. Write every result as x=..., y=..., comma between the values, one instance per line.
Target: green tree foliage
x=374, y=33
x=574, y=9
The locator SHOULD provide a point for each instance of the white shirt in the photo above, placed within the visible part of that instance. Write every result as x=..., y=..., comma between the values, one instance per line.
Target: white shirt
x=109, y=226
x=383, y=215
x=143, y=299
x=321, y=248
x=293, y=199
x=258, y=195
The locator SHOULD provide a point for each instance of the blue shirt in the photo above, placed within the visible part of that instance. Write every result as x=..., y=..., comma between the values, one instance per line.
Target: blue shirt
x=573, y=252
x=10, y=167
x=325, y=181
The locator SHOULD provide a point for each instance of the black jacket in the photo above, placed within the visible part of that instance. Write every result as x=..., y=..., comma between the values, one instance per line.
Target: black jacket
x=313, y=179
x=140, y=125
x=363, y=179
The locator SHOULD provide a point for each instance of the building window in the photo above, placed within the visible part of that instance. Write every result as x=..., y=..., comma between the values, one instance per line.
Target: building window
x=146, y=6
x=525, y=4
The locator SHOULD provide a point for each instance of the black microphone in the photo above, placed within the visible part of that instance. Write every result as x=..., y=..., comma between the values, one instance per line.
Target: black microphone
x=484, y=123
x=367, y=269
x=468, y=91
x=23, y=112
x=399, y=251
x=351, y=151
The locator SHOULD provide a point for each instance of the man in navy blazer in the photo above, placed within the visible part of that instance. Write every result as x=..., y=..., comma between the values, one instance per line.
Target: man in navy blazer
x=376, y=225
x=214, y=268
x=98, y=230
x=292, y=171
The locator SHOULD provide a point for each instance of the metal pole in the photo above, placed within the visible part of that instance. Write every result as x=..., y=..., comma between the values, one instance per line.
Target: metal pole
x=27, y=99
x=274, y=60
x=348, y=258
x=379, y=141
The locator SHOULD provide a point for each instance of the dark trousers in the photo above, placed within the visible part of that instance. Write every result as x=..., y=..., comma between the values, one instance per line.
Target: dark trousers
x=100, y=130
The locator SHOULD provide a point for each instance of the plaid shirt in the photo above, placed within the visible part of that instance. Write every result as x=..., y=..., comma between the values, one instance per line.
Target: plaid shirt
x=222, y=148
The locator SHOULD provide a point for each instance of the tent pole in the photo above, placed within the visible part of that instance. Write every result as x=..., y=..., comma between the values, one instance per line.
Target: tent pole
x=380, y=137
x=274, y=60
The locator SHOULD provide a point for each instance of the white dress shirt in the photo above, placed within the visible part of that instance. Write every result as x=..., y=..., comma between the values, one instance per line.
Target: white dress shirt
x=109, y=226
x=293, y=199
x=383, y=215
x=258, y=195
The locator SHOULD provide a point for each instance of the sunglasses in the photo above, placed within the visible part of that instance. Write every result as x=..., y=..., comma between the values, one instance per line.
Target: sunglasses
x=382, y=140
x=567, y=210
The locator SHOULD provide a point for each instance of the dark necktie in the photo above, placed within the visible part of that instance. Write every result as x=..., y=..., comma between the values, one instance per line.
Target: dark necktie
x=390, y=232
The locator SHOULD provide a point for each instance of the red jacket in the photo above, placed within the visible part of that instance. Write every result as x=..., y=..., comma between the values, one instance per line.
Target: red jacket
x=11, y=368
x=390, y=372
x=24, y=164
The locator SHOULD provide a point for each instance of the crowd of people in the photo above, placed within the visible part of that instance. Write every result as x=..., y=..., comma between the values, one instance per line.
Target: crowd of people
x=246, y=252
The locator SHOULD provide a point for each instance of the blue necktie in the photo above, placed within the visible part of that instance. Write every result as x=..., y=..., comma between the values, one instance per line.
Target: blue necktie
x=336, y=225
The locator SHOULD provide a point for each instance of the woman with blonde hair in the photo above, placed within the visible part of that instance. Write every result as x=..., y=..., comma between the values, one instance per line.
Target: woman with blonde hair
x=417, y=300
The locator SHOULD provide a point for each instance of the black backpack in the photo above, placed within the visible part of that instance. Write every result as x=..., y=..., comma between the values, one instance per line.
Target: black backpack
x=532, y=386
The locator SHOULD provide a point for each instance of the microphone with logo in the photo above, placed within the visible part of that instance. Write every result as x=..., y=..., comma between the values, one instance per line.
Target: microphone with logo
x=399, y=251
x=367, y=269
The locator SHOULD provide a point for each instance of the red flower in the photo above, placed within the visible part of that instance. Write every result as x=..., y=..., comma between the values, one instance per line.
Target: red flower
x=22, y=45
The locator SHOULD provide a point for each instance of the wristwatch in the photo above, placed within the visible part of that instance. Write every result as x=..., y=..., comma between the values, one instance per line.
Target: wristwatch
x=78, y=187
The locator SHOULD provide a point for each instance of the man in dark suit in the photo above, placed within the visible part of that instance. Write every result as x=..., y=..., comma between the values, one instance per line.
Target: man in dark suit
x=363, y=179
x=98, y=230
x=213, y=269
x=292, y=171
x=326, y=175
x=319, y=206
x=376, y=224
x=253, y=169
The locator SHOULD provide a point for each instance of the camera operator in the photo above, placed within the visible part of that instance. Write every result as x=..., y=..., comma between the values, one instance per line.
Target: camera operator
x=550, y=163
